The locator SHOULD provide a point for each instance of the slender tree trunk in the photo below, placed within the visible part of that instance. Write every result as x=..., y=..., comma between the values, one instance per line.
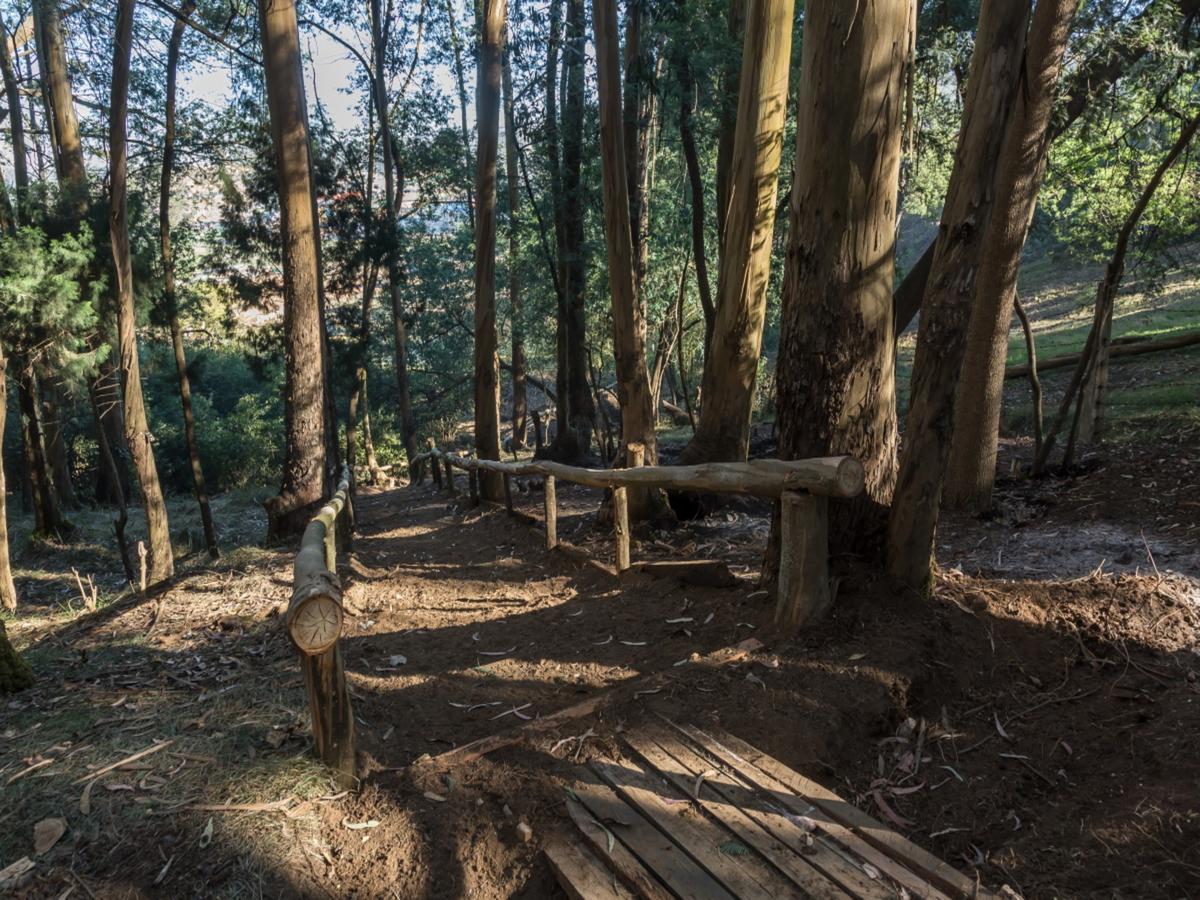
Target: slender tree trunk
x=68, y=149
x=727, y=129
x=8, y=590
x=105, y=395
x=304, y=467
x=575, y=439
x=16, y=123
x=161, y=564
x=1035, y=383
x=629, y=323
x=687, y=137
x=14, y=671
x=48, y=518
x=731, y=360
x=520, y=403
x=460, y=75
x=108, y=463
x=169, y=299
x=972, y=466
x=991, y=91
x=53, y=420
x=638, y=112
x=487, y=363
x=836, y=369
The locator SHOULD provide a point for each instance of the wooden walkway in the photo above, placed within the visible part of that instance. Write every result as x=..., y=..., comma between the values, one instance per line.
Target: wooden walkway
x=701, y=814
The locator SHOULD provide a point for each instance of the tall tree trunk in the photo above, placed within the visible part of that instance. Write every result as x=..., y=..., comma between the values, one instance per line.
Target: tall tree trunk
x=68, y=149
x=836, y=370
x=972, y=467
x=108, y=462
x=638, y=112
x=991, y=91
x=48, y=518
x=727, y=128
x=304, y=465
x=8, y=590
x=169, y=298
x=487, y=363
x=554, y=172
x=161, y=563
x=629, y=323
x=731, y=360
x=687, y=137
x=575, y=439
x=14, y=671
x=520, y=402
x=53, y=419
x=112, y=484
x=461, y=77
x=16, y=123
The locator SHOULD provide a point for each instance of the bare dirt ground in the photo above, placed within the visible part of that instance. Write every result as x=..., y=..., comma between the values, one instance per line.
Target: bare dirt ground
x=1038, y=721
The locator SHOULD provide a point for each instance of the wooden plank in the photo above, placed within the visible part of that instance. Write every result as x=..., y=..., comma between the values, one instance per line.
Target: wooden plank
x=551, y=505
x=703, y=572
x=727, y=810
x=700, y=837
x=792, y=788
x=580, y=874
x=579, y=555
x=804, y=593
x=635, y=848
x=620, y=504
x=626, y=691
x=758, y=805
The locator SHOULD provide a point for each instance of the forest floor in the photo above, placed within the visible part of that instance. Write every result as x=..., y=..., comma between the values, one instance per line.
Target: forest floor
x=1054, y=678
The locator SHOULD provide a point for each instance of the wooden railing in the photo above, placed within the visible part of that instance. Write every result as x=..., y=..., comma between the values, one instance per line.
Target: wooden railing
x=802, y=488
x=314, y=620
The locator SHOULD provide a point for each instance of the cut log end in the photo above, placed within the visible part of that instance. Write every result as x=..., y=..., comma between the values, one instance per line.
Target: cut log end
x=316, y=624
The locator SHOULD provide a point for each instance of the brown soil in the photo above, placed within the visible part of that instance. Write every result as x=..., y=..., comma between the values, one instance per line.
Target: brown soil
x=1045, y=732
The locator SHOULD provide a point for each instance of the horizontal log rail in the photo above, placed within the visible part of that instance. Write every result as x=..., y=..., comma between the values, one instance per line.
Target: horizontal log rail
x=314, y=621
x=801, y=487
x=1121, y=347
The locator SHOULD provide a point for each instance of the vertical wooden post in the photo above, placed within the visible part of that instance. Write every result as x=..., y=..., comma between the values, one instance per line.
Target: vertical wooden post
x=621, y=526
x=551, y=513
x=473, y=485
x=435, y=469
x=508, y=504
x=450, y=477
x=332, y=718
x=803, y=559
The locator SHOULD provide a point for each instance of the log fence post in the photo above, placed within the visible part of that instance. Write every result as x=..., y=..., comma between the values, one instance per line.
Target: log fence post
x=620, y=498
x=508, y=501
x=551, y=502
x=449, y=477
x=473, y=485
x=435, y=466
x=803, y=560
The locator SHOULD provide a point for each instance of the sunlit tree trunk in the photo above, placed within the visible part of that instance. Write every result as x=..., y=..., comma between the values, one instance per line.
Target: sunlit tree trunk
x=727, y=129
x=629, y=323
x=160, y=562
x=16, y=121
x=836, y=370
x=8, y=590
x=169, y=299
x=972, y=467
x=991, y=91
x=487, y=362
x=68, y=149
x=304, y=465
x=520, y=404
x=731, y=361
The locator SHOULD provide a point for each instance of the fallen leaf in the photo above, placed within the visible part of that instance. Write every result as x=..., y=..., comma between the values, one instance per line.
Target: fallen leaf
x=359, y=826
x=206, y=835
x=436, y=798
x=47, y=832
x=856, y=656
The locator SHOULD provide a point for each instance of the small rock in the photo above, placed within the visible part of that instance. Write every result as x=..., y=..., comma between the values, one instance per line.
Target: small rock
x=524, y=832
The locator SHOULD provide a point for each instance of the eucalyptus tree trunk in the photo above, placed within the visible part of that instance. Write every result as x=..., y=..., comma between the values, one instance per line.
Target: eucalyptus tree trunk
x=487, y=362
x=160, y=562
x=972, y=467
x=304, y=465
x=731, y=360
x=520, y=403
x=991, y=92
x=170, y=301
x=8, y=590
x=574, y=436
x=629, y=324
x=836, y=369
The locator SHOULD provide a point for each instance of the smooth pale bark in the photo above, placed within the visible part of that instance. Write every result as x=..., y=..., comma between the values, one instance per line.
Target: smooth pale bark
x=573, y=438
x=687, y=139
x=8, y=590
x=304, y=465
x=56, y=85
x=972, y=466
x=160, y=564
x=520, y=403
x=836, y=370
x=629, y=323
x=731, y=361
x=991, y=91
x=16, y=122
x=170, y=301
x=487, y=362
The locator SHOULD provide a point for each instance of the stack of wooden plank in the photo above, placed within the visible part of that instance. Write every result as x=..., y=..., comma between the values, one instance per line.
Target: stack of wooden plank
x=701, y=814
